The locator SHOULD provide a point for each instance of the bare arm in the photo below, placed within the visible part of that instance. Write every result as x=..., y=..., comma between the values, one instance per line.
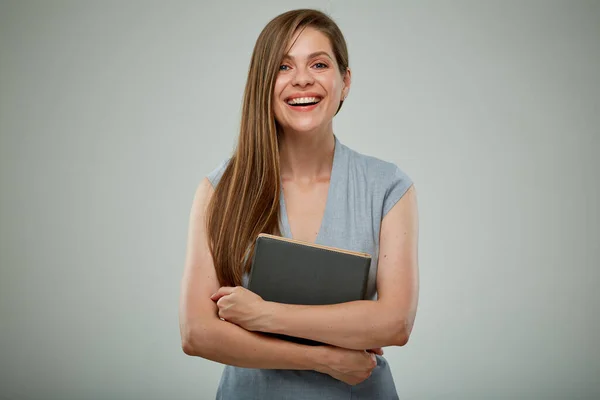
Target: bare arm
x=360, y=324
x=203, y=334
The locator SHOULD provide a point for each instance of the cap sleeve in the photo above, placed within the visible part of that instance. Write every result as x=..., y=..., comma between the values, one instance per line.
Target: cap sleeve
x=215, y=175
x=397, y=185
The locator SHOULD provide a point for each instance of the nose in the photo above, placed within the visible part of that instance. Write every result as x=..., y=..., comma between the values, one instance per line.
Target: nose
x=302, y=77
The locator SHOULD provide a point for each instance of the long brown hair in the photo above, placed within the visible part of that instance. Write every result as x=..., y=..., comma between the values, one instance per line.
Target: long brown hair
x=246, y=200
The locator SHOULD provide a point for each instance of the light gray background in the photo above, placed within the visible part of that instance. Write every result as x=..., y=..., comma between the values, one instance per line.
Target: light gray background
x=112, y=112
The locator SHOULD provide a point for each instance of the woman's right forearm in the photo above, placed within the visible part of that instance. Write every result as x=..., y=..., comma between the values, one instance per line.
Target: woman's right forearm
x=229, y=344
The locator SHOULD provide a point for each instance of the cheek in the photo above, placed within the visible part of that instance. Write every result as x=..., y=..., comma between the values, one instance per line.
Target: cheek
x=280, y=84
x=334, y=90
x=277, y=94
x=337, y=88
x=333, y=85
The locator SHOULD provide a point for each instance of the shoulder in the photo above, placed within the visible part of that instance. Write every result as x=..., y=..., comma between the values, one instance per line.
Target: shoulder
x=215, y=175
x=374, y=169
x=384, y=179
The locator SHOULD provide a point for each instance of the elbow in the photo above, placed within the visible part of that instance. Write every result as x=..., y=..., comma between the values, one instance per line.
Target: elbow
x=401, y=333
x=188, y=348
x=400, y=339
x=187, y=341
x=193, y=340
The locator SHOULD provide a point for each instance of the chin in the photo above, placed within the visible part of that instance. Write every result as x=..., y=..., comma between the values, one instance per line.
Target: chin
x=303, y=129
x=305, y=126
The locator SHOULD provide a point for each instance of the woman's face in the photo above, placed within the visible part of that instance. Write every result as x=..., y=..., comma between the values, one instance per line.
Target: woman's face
x=309, y=86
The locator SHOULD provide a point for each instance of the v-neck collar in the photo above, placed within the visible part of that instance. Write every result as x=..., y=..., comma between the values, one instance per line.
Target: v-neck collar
x=286, y=230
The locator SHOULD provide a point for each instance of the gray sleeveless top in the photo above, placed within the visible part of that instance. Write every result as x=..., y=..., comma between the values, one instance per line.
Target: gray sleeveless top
x=362, y=190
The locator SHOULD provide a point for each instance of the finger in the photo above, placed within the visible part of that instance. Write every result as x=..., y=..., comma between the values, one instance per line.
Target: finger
x=221, y=301
x=224, y=291
x=378, y=351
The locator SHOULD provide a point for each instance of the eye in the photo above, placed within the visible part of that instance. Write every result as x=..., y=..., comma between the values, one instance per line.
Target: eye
x=284, y=67
x=320, y=65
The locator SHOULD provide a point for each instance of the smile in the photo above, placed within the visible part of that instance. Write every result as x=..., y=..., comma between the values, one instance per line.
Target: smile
x=303, y=101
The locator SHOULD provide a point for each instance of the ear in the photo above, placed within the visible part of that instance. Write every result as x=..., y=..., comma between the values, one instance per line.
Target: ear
x=347, y=81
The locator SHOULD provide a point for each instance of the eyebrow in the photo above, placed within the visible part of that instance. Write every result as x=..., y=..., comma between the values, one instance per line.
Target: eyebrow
x=311, y=55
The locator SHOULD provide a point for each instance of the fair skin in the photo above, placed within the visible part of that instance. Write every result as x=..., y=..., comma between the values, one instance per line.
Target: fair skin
x=203, y=334
x=306, y=152
x=353, y=325
x=306, y=157
x=306, y=144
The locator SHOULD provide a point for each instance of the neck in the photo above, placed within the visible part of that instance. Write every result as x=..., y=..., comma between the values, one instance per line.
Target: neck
x=306, y=157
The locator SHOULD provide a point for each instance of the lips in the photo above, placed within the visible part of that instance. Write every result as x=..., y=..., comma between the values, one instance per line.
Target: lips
x=303, y=99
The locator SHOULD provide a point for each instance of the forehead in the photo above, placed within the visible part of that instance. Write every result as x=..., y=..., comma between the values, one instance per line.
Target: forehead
x=308, y=41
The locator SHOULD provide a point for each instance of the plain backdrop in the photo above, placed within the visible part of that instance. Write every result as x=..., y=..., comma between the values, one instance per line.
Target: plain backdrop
x=112, y=112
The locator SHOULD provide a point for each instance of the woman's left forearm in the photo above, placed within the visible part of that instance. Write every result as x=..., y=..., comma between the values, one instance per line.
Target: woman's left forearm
x=359, y=325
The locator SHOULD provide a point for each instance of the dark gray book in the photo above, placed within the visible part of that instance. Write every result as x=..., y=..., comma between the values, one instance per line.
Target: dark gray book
x=294, y=272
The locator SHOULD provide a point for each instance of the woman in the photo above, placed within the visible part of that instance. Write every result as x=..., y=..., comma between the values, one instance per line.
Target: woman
x=290, y=175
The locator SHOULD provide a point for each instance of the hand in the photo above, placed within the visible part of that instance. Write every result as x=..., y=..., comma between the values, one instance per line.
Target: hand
x=240, y=306
x=349, y=366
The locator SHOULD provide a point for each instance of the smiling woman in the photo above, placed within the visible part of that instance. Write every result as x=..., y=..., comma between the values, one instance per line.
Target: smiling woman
x=310, y=86
x=291, y=176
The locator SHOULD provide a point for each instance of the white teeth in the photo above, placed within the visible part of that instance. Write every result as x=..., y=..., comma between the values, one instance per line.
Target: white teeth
x=304, y=100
